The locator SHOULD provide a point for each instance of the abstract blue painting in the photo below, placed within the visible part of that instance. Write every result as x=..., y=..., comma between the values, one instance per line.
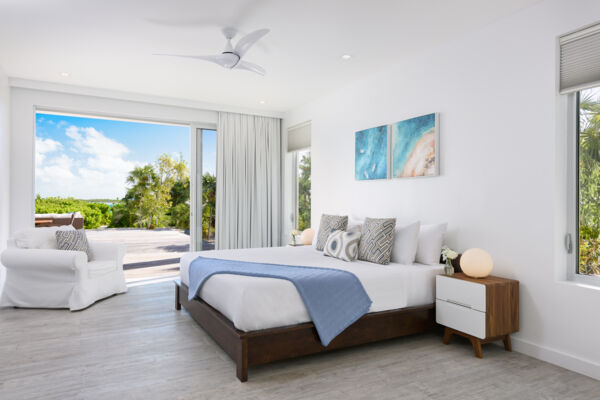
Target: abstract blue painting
x=415, y=147
x=371, y=154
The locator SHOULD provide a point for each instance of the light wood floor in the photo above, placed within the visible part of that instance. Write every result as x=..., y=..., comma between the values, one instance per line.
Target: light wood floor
x=136, y=346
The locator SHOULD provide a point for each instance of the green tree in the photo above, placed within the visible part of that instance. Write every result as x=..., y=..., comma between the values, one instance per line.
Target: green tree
x=158, y=195
x=209, y=204
x=589, y=184
x=304, y=193
x=142, y=197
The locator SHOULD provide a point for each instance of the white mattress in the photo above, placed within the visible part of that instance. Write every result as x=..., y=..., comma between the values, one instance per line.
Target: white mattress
x=253, y=303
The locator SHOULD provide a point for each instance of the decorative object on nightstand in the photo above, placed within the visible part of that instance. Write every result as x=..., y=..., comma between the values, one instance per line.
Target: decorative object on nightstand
x=448, y=255
x=307, y=236
x=483, y=310
x=295, y=234
x=476, y=263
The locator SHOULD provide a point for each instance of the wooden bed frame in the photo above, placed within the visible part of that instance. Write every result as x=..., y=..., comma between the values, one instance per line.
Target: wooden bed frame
x=264, y=346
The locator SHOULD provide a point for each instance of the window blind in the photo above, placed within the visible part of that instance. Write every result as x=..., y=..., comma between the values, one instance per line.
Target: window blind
x=299, y=136
x=580, y=59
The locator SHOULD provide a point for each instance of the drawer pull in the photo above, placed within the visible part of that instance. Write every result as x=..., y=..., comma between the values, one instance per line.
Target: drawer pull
x=458, y=303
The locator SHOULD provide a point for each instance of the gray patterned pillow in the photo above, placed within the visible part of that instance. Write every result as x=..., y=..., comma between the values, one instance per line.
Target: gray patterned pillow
x=330, y=223
x=377, y=240
x=343, y=245
x=74, y=240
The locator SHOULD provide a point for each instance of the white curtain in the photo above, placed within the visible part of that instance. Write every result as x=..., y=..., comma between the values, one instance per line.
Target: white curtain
x=248, y=181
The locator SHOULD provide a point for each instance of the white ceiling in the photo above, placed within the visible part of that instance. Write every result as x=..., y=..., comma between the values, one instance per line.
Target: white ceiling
x=109, y=43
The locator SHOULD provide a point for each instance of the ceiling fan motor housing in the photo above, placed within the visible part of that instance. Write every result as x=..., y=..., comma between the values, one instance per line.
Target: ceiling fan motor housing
x=230, y=59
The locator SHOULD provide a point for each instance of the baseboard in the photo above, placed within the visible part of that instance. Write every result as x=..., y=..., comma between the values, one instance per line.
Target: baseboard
x=577, y=364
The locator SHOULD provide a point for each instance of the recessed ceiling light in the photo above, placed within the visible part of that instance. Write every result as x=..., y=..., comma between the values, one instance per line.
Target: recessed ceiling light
x=261, y=102
x=65, y=74
x=346, y=57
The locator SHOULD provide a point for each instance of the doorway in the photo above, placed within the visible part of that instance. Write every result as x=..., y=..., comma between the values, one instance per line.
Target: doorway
x=127, y=180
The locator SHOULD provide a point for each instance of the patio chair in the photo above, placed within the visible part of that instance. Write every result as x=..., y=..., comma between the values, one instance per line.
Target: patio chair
x=38, y=275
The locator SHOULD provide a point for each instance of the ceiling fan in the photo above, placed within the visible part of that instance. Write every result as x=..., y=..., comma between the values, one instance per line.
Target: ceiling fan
x=231, y=57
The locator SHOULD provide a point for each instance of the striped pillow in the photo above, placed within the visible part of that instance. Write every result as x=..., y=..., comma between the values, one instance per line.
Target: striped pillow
x=74, y=240
x=377, y=240
x=330, y=223
x=342, y=245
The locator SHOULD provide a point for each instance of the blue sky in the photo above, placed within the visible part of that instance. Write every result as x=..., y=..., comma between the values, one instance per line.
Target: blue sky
x=90, y=158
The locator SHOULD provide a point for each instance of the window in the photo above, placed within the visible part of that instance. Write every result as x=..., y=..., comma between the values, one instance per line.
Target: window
x=298, y=166
x=116, y=173
x=579, y=83
x=588, y=175
x=303, y=198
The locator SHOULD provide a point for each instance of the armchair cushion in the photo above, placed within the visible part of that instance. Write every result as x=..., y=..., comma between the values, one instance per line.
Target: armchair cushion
x=39, y=238
x=106, y=251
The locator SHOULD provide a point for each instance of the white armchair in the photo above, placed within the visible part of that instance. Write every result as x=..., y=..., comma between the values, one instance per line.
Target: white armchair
x=40, y=276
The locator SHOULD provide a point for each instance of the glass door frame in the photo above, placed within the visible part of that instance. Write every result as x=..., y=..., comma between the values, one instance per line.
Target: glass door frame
x=196, y=172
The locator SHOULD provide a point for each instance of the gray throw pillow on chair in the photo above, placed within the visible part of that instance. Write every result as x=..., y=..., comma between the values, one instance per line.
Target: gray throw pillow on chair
x=73, y=240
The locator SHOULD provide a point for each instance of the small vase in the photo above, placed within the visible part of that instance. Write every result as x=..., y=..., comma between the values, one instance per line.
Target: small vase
x=449, y=269
x=293, y=240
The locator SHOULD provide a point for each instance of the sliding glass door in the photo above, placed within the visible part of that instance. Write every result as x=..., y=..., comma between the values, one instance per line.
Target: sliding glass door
x=204, y=200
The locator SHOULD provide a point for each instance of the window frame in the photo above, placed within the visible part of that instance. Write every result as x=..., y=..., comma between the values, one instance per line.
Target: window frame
x=572, y=235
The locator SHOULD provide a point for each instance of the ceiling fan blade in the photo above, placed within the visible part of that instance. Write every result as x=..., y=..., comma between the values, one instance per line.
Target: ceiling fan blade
x=219, y=59
x=248, y=66
x=247, y=41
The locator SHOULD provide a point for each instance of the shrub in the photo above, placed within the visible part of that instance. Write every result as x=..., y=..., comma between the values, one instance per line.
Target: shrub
x=95, y=215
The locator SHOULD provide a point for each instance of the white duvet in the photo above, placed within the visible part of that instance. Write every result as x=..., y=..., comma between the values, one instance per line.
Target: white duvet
x=253, y=303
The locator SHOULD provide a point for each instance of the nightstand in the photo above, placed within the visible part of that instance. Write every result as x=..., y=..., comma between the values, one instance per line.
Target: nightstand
x=482, y=310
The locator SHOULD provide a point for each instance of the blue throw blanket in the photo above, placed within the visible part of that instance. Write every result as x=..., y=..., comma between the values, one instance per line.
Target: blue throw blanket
x=335, y=299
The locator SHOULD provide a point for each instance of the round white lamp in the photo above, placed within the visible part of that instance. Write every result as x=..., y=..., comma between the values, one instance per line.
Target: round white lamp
x=476, y=263
x=307, y=236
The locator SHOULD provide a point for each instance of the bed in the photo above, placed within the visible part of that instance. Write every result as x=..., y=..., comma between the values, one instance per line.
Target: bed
x=261, y=320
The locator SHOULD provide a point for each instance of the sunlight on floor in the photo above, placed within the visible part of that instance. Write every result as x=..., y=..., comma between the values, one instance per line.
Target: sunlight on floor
x=150, y=281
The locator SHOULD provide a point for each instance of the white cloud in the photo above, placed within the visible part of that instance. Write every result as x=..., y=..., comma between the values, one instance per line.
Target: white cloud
x=95, y=166
x=44, y=146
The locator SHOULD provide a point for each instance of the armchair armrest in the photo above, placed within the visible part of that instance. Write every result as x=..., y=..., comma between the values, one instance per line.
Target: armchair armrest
x=107, y=251
x=43, y=259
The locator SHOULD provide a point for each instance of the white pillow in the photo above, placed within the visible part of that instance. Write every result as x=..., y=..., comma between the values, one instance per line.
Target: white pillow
x=39, y=238
x=355, y=225
x=431, y=238
x=406, y=239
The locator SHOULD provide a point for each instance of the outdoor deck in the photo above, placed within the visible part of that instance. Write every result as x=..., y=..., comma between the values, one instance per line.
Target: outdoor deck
x=150, y=253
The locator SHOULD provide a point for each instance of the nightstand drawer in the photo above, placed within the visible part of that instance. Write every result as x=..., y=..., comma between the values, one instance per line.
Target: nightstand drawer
x=461, y=292
x=460, y=318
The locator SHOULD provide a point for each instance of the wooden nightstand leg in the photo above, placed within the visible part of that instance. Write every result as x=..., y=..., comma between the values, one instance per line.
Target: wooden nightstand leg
x=507, y=344
x=447, y=334
x=477, y=347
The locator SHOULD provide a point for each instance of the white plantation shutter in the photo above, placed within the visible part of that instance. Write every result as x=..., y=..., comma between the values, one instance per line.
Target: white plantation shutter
x=299, y=137
x=580, y=59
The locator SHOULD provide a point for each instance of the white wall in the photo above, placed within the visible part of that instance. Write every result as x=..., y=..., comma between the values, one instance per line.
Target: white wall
x=502, y=161
x=23, y=105
x=4, y=165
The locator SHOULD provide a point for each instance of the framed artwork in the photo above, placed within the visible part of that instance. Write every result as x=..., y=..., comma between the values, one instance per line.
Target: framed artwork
x=415, y=147
x=371, y=153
